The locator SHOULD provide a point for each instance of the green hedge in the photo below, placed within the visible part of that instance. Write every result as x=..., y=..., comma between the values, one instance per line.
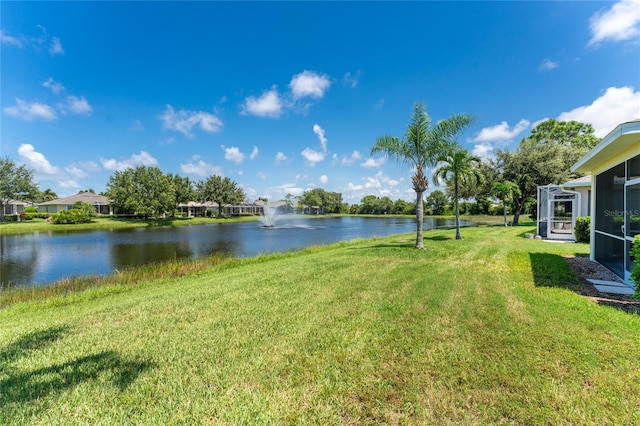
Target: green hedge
x=72, y=216
x=583, y=229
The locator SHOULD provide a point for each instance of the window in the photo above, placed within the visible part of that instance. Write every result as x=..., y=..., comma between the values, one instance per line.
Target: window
x=634, y=168
x=609, y=209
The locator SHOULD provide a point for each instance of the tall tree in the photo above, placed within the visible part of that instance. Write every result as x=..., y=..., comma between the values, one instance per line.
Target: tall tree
x=221, y=190
x=16, y=183
x=546, y=157
x=505, y=191
x=437, y=202
x=330, y=202
x=455, y=167
x=184, y=190
x=143, y=190
x=420, y=148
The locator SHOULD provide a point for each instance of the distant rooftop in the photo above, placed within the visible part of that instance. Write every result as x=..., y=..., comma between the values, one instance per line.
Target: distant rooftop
x=85, y=197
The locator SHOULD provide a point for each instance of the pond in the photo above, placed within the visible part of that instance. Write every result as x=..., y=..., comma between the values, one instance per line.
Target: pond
x=41, y=258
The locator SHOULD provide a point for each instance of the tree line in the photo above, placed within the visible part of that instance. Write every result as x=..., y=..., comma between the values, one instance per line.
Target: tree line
x=511, y=177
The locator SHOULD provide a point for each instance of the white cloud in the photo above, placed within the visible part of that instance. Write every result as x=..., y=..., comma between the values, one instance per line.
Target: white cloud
x=280, y=191
x=619, y=23
x=184, y=121
x=313, y=156
x=69, y=183
x=352, y=187
x=347, y=161
x=373, y=162
x=352, y=80
x=29, y=112
x=372, y=183
x=55, y=48
x=10, y=40
x=76, y=105
x=319, y=131
x=142, y=159
x=483, y=150
x=281, y=157
x=136, y=126
x=501, y=132
x=324, y=179
x=76, y=172
x=200, y=168
x=262, y=175
x=309, y=84
x=378, y=105
x=617, y=105
x=268, y=105
x=53, y=85
x=233, y=154
x=547, y=65
x=36, y=160
x=254, y=153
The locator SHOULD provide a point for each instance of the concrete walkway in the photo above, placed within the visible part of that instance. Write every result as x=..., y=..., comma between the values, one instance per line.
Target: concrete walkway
x=611, y=287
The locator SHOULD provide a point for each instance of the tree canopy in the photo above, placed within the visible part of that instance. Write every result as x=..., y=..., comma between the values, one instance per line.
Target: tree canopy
x=142, y=190
x=330, y=202
x=220, y=190
x=16, y=183
x=546, y=157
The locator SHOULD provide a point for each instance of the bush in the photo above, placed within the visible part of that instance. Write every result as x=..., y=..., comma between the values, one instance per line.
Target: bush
x=73, y=216
x=11, y=217
x=583, y=229
x=30, y=209
x=635, y=273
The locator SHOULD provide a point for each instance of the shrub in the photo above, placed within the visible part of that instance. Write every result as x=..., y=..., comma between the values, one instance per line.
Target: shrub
x=30, y=209
x=89, y=209
x=73, y=216
x=11, y=217
x=583, y=229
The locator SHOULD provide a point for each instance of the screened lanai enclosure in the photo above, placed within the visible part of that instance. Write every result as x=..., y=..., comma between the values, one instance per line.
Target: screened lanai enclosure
x=558, y=209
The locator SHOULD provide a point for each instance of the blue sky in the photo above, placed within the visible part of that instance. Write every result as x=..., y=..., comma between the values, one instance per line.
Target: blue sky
x=287, y=97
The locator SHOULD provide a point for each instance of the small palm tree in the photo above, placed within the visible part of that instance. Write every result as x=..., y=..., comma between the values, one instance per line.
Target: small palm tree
x=48, y=195
x=420, y=148
x=505, y=191
x=456, y=167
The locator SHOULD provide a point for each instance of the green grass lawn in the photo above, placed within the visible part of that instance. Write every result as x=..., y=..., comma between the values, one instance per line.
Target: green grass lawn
x=485, y=330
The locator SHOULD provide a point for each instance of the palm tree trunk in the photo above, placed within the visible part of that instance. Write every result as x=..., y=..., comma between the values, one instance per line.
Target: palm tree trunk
x=419, y=220
x=504, y=207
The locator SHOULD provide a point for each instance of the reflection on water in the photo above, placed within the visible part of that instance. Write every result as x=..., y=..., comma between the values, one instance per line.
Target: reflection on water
x=41, y=258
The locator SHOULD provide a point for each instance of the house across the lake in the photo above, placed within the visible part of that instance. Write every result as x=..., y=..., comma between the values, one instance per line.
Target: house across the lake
x=614, y=165
x=100, y=202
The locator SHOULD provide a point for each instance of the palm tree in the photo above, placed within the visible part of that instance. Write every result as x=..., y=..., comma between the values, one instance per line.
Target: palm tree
x=456, y=167
x=420, y=148
x=505, y=191
x=48, y=195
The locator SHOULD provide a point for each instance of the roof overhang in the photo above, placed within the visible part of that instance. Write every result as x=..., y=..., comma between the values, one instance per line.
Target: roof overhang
x=623, y=137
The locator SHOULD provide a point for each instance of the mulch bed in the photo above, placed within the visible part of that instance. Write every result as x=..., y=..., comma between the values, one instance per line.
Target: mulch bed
x=585, y=268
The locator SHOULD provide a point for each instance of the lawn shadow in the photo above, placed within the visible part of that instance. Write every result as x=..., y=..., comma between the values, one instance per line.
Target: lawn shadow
x=552, y=270
x=19, y=386
x=37, y=339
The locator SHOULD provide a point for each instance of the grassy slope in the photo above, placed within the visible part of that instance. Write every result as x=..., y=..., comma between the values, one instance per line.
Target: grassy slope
x=476, y=331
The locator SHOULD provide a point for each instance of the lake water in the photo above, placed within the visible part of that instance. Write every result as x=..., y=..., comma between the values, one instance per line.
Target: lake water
x=41, y=258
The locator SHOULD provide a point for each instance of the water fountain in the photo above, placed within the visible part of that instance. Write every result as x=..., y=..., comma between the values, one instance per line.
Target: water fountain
x=269, y=216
